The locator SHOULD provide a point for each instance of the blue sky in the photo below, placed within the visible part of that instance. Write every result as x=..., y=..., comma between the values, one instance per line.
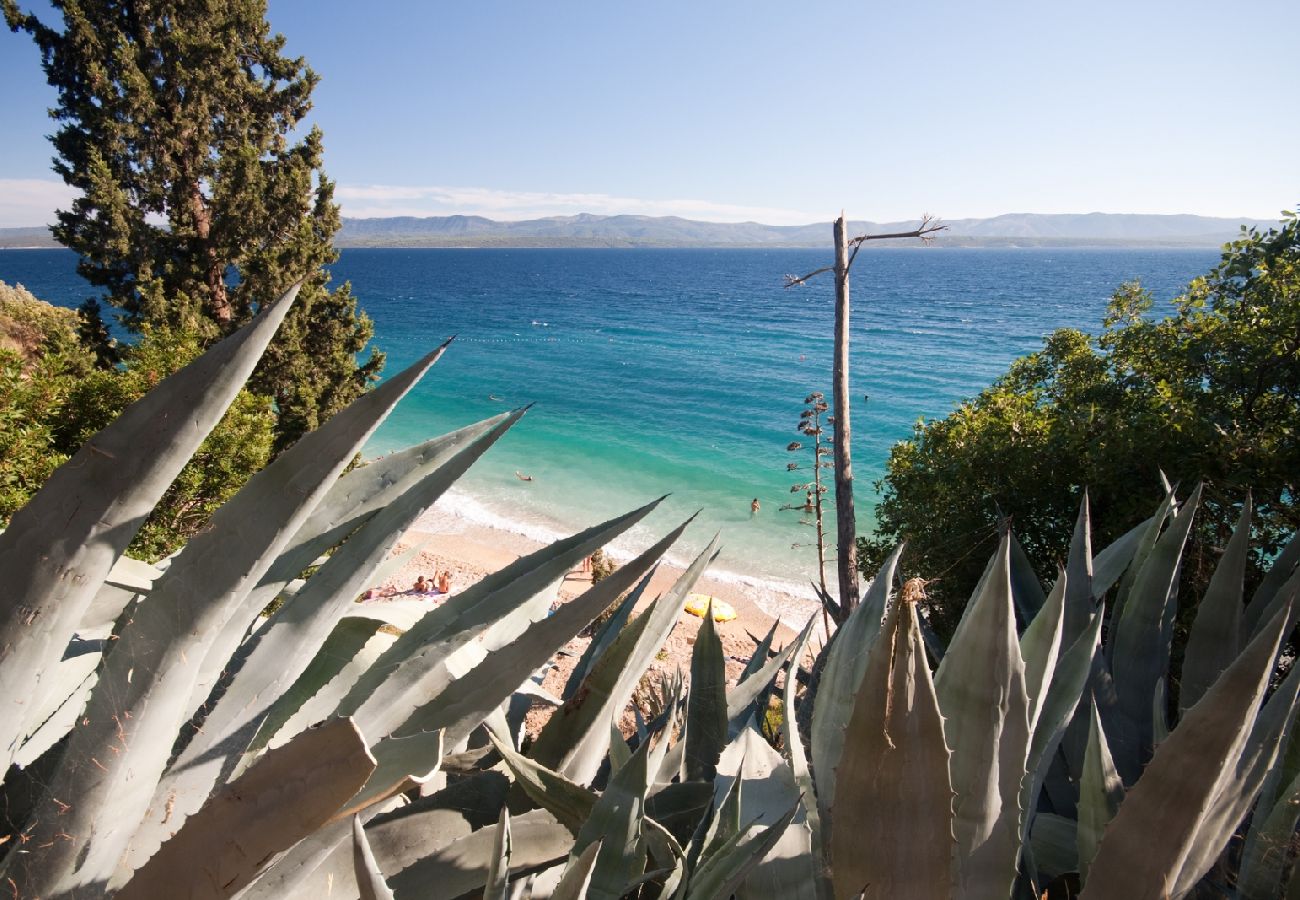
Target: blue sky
x=772, y=111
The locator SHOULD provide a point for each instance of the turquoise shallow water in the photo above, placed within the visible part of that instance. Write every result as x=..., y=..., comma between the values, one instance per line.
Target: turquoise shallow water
x=684, y=371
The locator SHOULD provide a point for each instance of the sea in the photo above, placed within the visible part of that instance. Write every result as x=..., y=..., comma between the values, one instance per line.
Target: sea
x=682, y=372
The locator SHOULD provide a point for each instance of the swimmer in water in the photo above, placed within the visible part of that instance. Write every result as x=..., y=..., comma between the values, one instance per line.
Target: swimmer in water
x=522, y=477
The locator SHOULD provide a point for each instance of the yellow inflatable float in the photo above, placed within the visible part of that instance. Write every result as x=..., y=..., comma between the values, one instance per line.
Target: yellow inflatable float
x=698, y=605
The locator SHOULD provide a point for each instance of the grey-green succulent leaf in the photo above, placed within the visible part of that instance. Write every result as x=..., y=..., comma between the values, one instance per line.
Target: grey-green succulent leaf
x=398, y=683
x=1141, y=641
x=601, y=640
x=141, y=700
x=616, y=822
x=1146, y=541
x=1053, y=844
x=351, y=500
x=1145, y=849
x=491, y=682
x=60, y=547
x=574, y=740
x=1026, y=591
x=1268, y=847
x=724, y=871
x=1215, y=637
x=741, y=700
x=1040, y=646
x=1100, y=793
x=799, y=767
x=401, y=764
x=706, y=705
x=1080, y=605
x=1240, y=785
x=370, y=881
x=498, y=877
x=1278, y=575
x=290, y=793
x=980, y=686
x=893, y=828
x=576, y=879
x=846, y=660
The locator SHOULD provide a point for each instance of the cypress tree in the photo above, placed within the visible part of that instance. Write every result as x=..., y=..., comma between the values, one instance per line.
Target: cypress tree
x=177, y=126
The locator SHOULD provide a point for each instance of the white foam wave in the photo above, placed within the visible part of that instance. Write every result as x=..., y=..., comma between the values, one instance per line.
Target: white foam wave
x=788, y=601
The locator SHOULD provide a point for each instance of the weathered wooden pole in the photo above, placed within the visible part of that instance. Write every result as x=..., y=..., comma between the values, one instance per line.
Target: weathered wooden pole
x=846, y=520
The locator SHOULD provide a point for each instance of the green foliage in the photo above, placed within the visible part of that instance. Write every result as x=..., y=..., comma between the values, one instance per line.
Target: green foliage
x=53, y=398
x=195, y=204
x=601, y=565
x=1211, y=392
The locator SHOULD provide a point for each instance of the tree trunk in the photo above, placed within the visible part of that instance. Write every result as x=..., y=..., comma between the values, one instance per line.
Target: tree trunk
x=846, y=523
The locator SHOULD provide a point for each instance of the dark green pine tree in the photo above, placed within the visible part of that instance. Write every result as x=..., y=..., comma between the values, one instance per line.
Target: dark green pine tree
x=176, y=124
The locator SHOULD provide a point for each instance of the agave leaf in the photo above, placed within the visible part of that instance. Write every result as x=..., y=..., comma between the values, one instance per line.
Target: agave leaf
x=352, y=499
x=1215, y=637
x=1140, y=639
x=141, y=700
x=1242, y=783
x=399, y=682
x=370, y=881
x=350, y=649
x=574, y=882
x=498, y=877
x=461, y=866
x=66, y=688
x=1100, y=793
x=1145, y=544
x=1079, y=604
x=980, y=687
x=706, y=704
x=787, y=871
x=1062, y=700
x=799, y=767
x=619, y=753
x=1053, y=844
x=846, y=660
x=570, y=803
x=1040, y=645
x=574, y=740
x=615, y=822
x=1146, y=848
x=600, y=642
x=893, y=825
x=286, y=645
x=1026, y=591
x=60, y=547
x=742, y=700
x=321, y=865
x=1285, y=597
x=1268, y=847
x=1278, y=575
x=290, y=793
x=762, y=650
x=400, y=765
x=725, y=870
x=493, y=681
x=1112, y=562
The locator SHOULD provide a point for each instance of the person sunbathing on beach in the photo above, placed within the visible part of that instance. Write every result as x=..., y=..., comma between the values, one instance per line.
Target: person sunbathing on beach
x=444, y=581
x=420, y=585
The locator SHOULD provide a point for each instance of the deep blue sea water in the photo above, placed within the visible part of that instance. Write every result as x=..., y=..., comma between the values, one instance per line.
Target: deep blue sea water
x=684, y=371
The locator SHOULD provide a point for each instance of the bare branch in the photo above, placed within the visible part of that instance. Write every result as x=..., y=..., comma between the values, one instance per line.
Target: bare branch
x=791, y=281
x=925, y=231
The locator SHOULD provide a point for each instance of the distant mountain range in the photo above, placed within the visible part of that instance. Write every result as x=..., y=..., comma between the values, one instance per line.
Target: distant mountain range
x=586, y=230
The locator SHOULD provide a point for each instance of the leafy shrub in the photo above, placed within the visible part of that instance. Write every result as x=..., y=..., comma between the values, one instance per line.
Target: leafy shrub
x=1210, y=392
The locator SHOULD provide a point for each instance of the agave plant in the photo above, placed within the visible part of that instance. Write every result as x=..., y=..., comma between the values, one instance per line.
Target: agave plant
x=183, y=745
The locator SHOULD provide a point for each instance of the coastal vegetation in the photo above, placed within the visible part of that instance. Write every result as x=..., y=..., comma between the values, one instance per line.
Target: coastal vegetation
x=1209, y=392
x=176, y=127
x=1040, y=757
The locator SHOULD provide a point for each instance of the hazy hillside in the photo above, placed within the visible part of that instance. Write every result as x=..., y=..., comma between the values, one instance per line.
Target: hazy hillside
x=1017, y=229
x=586, y=230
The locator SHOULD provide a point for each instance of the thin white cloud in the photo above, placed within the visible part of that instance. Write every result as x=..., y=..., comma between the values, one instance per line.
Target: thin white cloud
x=29, y=202
x=32, y=201
x=377, y=200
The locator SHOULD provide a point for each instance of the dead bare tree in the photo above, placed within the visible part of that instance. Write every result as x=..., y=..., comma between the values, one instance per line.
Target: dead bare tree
x=846, y=251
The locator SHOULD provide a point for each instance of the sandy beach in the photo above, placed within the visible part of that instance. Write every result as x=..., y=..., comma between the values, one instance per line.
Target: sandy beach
x=473, y=550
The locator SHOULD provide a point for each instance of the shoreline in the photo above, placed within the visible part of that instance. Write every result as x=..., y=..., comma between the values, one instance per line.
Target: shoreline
x=473, y=550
